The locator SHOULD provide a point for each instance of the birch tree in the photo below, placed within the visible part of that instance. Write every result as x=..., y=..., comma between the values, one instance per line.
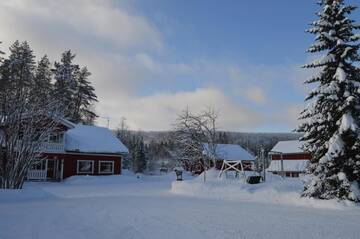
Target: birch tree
x=24, y=129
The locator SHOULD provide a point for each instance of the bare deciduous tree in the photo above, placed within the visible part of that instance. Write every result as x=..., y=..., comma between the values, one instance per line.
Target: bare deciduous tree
x=195, y=136
x=24, y=128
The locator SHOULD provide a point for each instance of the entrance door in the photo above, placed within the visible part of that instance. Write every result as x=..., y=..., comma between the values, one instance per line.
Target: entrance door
x=51, y=169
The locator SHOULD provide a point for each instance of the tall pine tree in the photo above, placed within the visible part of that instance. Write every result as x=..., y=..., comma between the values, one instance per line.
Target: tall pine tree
x=42, y=87
x=65, y=73
x=20, y=69
x=332, y=119
x=84, y=98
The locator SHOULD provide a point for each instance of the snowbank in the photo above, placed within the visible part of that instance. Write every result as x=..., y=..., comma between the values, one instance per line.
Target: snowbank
x=126, y=206
x=274, y=191
x=100, y=180
x=96, y=186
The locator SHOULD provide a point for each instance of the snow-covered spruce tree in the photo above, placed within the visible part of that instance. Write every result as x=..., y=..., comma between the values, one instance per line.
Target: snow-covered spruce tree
x=84, y=98
x=65, y=82
x=332, y=118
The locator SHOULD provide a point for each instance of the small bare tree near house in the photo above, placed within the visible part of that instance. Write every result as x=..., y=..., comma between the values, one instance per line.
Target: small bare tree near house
x=24, y=129
x=195, y=136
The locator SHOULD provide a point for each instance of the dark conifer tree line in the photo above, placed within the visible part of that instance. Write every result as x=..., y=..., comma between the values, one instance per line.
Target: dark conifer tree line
x=64, y=81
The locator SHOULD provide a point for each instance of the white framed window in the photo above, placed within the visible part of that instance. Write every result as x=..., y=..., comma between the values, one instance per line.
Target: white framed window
x=85, y=167
x=41, y=165
x=56, y=137
x=106, y=167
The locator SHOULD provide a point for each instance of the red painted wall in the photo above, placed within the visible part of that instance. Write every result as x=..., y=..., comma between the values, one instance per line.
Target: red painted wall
x=298, y=156
x=70, y=162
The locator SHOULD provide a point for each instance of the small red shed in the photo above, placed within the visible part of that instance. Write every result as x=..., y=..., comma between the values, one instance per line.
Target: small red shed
x=287, y=157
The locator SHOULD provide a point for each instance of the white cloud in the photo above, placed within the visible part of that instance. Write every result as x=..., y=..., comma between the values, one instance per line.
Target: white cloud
x=122, y=48
x=256, y=94
x=159, y=111
x=89, y=19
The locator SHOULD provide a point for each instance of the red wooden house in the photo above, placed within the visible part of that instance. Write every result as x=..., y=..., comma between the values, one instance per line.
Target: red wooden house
x=288, y=158
x=76, y=149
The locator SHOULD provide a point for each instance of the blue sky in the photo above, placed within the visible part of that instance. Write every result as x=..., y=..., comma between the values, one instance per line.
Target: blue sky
x=152, y=58
x=267, y=32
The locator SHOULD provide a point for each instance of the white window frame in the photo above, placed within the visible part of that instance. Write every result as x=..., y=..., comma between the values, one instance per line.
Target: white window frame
x=107, y=161
x=92, y=168
x=59, y=137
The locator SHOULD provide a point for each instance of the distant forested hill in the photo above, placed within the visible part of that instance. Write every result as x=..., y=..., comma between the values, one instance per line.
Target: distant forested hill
x=251, y=141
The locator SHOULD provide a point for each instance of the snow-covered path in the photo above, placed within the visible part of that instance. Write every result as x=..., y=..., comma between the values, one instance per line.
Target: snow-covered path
x=132, y=208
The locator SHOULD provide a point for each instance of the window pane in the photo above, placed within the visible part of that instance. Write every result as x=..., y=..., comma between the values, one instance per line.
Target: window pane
x=106, y=167
x=39, y=165
x=56, y=138
x=85, y=166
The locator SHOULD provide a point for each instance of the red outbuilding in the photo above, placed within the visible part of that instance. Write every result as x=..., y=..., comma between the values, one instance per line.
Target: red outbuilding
x=288, y=158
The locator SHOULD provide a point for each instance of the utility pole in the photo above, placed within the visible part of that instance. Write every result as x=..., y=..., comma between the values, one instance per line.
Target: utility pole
x=263, y=163
x=282, y=165
x=281, y=162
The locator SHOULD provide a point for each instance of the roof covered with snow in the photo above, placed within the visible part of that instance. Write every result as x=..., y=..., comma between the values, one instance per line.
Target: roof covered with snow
x=289, y=165
x=233, y=152
x=290, y=146
x=93, y=139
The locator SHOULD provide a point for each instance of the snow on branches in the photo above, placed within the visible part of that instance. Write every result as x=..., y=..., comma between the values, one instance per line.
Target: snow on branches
x=331, y=119
x=192, y=132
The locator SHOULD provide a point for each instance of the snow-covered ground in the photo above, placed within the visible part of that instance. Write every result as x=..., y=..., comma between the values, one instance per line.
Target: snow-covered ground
x=274, y=191
x=156, y=207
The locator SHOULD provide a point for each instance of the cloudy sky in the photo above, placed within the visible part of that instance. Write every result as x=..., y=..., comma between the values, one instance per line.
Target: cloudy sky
x=150, y=59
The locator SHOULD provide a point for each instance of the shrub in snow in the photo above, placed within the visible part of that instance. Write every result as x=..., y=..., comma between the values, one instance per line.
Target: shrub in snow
x=331, y=120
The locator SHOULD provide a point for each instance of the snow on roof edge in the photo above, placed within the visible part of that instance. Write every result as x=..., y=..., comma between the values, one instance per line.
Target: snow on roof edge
x=233, y=152
x=287, y=146
x=93, y=139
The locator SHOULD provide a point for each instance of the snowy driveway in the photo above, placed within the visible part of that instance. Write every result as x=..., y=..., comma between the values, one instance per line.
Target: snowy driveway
x=133, y=208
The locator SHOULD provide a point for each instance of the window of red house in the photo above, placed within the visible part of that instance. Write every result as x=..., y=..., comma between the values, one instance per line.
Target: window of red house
x=106, y=167
x=85, y=166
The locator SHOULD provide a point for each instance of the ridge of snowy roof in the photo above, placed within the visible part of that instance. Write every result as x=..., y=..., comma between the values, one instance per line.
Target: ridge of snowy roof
x=93, y=139
x=67, y=123
x=289, y=146
x=233, y=152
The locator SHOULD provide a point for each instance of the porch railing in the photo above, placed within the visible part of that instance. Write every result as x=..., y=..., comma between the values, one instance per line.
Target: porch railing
x=37, y=174
x=52, y=147
x=46, y=147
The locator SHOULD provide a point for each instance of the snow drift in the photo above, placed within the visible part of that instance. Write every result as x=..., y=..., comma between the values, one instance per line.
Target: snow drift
x=274, y=191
